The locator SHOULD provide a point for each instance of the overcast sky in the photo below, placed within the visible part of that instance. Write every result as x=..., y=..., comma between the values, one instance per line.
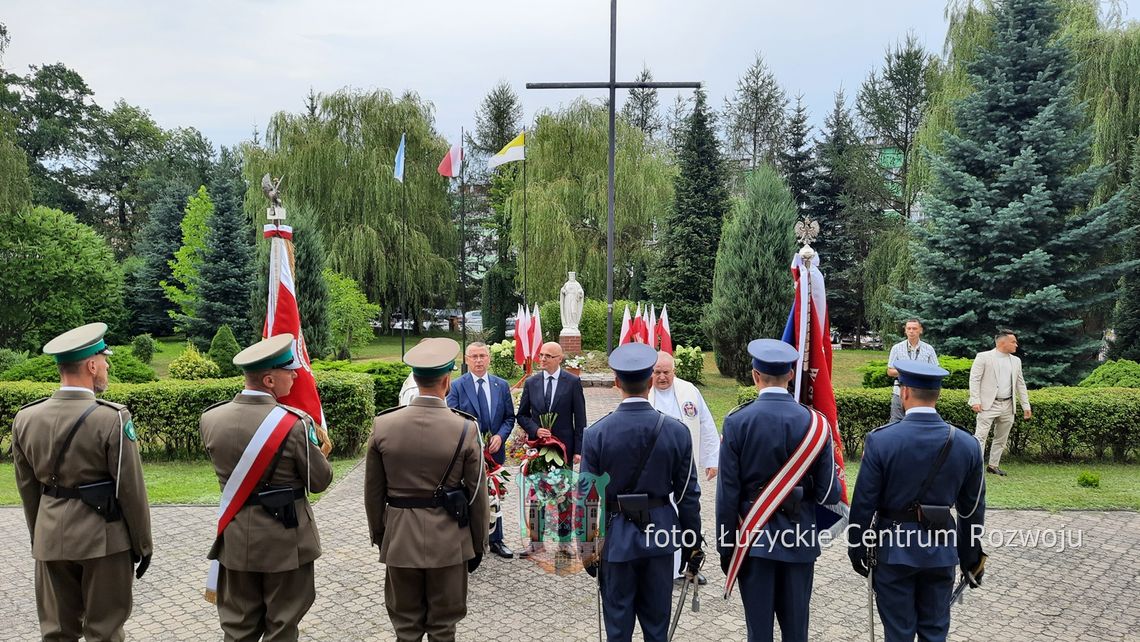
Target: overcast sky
x=224, y=66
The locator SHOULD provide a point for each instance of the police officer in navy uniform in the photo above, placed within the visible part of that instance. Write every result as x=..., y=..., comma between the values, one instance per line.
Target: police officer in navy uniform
x=758, y=439
x=918, y=545
x=636, y=568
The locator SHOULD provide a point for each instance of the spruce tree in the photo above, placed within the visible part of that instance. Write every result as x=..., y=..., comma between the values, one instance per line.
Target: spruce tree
x=1126, y=318
x=752, y=287
x=151, y=310
x=640, y=109
x=225, y=278
x=1011, y=241
x=223, y=347
x=796, y=162
x=683, y=278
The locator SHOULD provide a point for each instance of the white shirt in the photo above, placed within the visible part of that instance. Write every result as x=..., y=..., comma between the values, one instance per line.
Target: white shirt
x=553, y=386
x=486, y=379
x=255, y=393
x=76, y=389
x=634, y=400
x=666, y=402
x=1004, y=367
x=922, y=410
x=774, y=390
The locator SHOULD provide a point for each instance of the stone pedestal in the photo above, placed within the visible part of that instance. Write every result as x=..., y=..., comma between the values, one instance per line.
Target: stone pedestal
x=571, y=343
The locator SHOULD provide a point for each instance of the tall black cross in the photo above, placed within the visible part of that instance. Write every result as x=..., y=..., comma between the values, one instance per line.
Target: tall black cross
x=613, y=85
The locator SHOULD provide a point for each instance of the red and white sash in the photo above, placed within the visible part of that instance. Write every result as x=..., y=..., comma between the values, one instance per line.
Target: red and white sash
x=774, y=494
x=247, y=475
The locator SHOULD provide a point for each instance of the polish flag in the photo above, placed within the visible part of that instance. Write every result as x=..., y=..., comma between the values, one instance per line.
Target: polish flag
x=522, y=346
x=651, y=329
x=663, y=331
x=625, y=337
x=452, y=162
x=536, y=334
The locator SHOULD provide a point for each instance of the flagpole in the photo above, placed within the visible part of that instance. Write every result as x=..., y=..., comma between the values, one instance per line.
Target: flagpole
x=524, y=222
x=462, y=252
x=400, y=262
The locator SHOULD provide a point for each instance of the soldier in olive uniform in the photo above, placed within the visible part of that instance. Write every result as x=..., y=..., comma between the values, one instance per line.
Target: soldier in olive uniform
x=80, y=479
x=422, y=460
x=265, y=584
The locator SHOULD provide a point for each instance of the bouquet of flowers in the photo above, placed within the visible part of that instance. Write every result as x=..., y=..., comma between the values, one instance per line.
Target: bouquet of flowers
x=497, y=476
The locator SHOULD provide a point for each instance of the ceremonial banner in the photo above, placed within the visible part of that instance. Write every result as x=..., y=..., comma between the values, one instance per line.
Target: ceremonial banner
x=522, y=336
x=809, y=331
x=626, y=335
x=665, y=339
x=535, y=333
x=512, y=151
x=283, y=316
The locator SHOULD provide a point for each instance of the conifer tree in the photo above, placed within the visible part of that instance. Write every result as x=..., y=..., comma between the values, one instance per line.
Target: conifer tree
x=683, y=277
x=151, y=310
x=796, y=162
x=1010, y=233
x=1126, y=319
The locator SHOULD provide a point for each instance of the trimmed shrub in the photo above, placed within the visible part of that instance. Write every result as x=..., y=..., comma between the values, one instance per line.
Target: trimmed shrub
x=144, y=347
x=875, y=373
x=11, y=358
x=1124, y=373
x=1067, y=422
x=387, y=377
x=192, y=365
x=690, y=364
x=222, y=350
x=166, y=413
x=503, y=360
x=125, y=368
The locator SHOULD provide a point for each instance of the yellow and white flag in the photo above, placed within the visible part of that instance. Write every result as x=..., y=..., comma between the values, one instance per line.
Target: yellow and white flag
x=512, y=151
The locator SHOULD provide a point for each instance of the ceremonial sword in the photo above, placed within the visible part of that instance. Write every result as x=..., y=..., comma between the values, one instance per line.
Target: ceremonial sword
x=692, y=572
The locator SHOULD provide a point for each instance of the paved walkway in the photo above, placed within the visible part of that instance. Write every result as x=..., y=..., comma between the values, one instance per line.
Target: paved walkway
x=1031, y=593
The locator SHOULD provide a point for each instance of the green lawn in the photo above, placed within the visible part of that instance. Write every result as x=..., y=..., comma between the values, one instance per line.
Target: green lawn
x=1053, y=486
x=388, y=347
x=168, y=349
x=174, y=482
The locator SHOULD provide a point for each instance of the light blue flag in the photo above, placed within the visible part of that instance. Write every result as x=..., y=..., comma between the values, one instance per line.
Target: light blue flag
x=399, y=172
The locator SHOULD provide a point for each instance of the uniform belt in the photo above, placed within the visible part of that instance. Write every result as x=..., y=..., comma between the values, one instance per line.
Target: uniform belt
x=902, y=515
x=61, y=492
x=415, y=502
x=1003, y=398
x=255, y=500
x=614, y=506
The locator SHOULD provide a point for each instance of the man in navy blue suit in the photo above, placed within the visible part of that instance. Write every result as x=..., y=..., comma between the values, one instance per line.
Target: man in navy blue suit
x=776, y=574
x=642, y=527
x=913, y=471
x=552, y=389
x=488, y=399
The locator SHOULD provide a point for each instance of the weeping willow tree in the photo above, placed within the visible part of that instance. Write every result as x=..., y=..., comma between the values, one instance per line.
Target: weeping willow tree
x=337, y=160
x=567, y=202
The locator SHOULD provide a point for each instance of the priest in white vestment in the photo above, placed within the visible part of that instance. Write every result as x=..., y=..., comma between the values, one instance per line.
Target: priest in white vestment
x=682, y=401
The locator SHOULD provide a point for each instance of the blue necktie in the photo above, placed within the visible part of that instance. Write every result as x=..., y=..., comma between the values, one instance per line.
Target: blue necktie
x=484, y=409
x=546, y=398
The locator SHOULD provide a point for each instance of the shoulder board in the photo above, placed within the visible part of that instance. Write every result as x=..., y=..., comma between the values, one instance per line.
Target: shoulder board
x=215, y=405
x=729, y=414
x=37, y=401
x=388, y=410
x=464, y=415
x=117, y=407
x=297, y=411
x=604, y=416
x=887, y=425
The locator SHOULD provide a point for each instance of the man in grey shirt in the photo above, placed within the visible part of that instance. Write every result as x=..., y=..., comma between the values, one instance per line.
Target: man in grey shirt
x=911, y=349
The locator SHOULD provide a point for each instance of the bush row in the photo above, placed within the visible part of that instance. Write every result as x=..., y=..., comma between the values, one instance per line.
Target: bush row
x=1066, y=423
x=166, y=413
x=875, y=373
x=1123, y=373
x=387, y=377
x=125, y=368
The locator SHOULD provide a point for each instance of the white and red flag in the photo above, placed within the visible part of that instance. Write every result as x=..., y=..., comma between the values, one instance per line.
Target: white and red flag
x=283, y=316
x=664, y=338
x=452, y=162
x=626, y=330
x=522, y=336
x=651, y=328
x=808, y=330
x=535, y=333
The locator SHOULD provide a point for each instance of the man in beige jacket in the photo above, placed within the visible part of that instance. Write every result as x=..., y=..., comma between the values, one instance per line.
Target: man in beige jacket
x=80, y=478
x=995, y=381
x=416, y=454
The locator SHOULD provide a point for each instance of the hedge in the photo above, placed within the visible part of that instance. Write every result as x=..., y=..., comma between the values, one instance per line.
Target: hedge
x=875, y=373
x=166, y=413
x=387, y=377
x=125, y=368
x=1066, y=423
x=1123, y=373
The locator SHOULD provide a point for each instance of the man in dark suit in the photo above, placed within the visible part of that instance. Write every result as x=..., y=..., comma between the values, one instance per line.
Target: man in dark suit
x=552, y=389
x=913, y=471
x=488, y=398
x=648, y=456
x=760, y=438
